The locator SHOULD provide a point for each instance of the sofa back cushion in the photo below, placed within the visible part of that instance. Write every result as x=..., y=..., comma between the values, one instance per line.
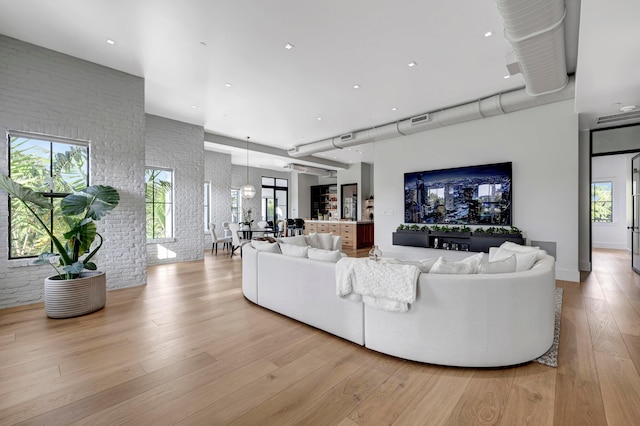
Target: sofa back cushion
x=298, y=240
x=503, y=266
x=265, y=246
x=294, y=250
x=320, y=240
x=324, y=255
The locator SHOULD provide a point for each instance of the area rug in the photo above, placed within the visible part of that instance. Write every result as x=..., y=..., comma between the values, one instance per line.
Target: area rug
x=551, y=357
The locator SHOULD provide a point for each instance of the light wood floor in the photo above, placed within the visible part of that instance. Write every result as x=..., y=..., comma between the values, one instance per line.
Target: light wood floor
x=189, y=349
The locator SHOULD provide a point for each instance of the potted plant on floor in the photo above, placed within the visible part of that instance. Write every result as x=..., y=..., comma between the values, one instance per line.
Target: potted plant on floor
x=72, y=291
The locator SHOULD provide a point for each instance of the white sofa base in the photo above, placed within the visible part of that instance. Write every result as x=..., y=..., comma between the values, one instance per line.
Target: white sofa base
x=457, y=320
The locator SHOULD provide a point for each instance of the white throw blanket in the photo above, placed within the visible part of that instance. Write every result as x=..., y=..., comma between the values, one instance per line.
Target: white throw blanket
x=387, y=286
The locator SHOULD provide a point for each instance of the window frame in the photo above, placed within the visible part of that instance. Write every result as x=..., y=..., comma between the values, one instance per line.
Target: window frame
x=154, y=238
x=50, y=195
x=594, y=201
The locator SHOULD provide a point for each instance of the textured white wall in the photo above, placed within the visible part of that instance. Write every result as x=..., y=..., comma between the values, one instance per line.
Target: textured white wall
x=545, y=173
x=180, y=147
x=217, y=170
x=43, y=91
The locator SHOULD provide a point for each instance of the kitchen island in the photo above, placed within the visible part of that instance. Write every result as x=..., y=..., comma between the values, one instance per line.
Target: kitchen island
x=355, y=234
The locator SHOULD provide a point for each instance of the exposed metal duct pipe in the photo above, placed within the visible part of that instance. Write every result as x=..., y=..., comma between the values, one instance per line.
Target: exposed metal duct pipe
x=312, y=170
x=495, y=105
x=535, y=30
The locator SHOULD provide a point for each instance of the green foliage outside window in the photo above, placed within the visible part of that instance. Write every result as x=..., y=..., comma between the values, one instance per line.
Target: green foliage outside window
x=159, y=203
x=602, y=202
x=52, y=168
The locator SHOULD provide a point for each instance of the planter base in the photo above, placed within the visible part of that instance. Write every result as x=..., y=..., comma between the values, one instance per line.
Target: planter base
x=71, y=298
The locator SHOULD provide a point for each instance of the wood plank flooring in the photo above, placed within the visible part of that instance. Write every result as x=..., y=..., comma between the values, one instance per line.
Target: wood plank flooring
x=188, y=349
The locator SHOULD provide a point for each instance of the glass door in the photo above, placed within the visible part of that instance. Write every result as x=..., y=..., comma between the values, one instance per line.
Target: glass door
x=635, y=224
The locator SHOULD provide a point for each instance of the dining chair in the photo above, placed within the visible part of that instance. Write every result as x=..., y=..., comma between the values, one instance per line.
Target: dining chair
x=236, y=241
x=227, y=231
x=226, y=241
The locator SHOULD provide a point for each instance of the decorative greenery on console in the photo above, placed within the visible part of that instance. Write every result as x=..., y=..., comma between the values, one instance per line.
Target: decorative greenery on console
x=492, y=230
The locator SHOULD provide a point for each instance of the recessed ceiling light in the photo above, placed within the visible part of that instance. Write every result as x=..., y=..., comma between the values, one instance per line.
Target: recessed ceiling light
x=228, y=84
x=488, y=34
x=628, y=108
x=506, y=77
x=394, y=109
x=319, y=118
x=111, y=41
x=289, y=46
x=412, y=64
x=356, y=86
x=194, y=106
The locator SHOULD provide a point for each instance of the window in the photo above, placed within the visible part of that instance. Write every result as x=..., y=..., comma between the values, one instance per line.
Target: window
x=207, y=205
x=602, y=202
x=159, y=200
x=54, y=167
x=275, y=193
x=235, y=206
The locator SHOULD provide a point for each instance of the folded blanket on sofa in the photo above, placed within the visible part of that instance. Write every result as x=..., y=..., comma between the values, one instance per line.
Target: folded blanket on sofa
x=381, y=285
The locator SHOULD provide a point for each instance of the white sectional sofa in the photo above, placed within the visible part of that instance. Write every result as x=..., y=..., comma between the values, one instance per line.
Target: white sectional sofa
x=471, y=320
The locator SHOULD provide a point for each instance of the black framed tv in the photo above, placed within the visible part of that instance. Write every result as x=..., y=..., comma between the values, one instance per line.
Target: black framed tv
x=474, y=195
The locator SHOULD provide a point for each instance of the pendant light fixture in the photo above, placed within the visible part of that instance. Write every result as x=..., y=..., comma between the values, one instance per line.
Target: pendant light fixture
x=247, y=191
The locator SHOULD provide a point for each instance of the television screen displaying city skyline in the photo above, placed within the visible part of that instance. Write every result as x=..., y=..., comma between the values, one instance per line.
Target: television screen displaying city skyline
x=474, y=195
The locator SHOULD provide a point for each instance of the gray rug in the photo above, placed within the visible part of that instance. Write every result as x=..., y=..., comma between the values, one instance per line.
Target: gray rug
x=551, y=357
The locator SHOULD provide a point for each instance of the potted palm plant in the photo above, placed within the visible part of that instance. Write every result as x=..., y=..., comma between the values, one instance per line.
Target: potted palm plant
x=77, y=288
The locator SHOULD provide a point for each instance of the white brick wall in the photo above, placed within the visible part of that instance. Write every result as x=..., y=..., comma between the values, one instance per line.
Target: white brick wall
x=179, y=146
x=47, y=92
x=217, y=170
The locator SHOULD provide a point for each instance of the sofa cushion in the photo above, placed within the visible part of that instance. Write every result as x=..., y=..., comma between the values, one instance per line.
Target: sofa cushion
x=424, y=265
x=266, y=246
x=503, y=266
x=294, y=250
x=320, y=240
x=524, y=260
x=324, y=255
x=298, y=240
x=468, y=265
x=508, y=245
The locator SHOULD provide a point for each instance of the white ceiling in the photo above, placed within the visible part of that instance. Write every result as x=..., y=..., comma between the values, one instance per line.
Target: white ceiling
x=188, y=50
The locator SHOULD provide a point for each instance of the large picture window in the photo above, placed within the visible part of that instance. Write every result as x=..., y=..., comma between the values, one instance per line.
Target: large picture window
x=54, y=167
x=159, y=200
x=602, y=202
x=275, y=194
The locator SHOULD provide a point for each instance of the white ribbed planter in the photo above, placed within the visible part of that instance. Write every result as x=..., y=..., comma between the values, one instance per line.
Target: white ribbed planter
x=80, y=296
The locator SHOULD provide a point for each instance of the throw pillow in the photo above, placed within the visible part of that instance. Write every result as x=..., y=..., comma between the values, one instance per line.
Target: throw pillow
x=474, y=260
x=294, y=250
x=326, y=240
x=443, y=266
x=313, y=240
x=424, y=265
x=508, y=245
x=266, y=246
x=524, y=261
x=325, y=255
x=298, y=240
x=499, y=266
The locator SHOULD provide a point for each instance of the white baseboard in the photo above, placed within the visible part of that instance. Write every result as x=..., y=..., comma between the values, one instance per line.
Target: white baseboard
x=568, y=275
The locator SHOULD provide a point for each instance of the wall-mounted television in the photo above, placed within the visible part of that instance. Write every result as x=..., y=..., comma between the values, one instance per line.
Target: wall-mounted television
x=475, y=195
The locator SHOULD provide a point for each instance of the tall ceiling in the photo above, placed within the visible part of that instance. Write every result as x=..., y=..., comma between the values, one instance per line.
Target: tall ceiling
x=223, y=64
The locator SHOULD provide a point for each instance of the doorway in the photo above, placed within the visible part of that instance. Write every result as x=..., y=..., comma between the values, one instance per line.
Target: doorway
x=614, y=191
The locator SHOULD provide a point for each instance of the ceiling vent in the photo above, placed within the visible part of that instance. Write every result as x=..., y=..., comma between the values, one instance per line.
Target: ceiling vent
x=419, y=119
x=623, y=116
x=346, y=137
